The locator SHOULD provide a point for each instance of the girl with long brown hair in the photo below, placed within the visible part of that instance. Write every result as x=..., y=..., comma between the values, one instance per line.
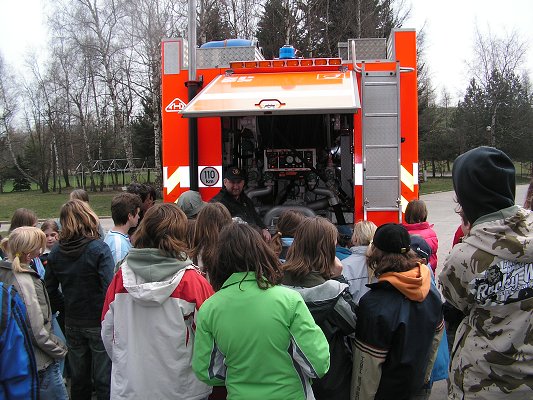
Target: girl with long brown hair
x=82, y=265
x=311, y=264
x=211, y=219
x=416, y=214
x=286, y=225
x=252, y=335
x=150, y=310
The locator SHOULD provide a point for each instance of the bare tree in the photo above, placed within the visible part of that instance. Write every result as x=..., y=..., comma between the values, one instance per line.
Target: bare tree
x=242, y=16
x=148, y=22
x=495, y=56
x=9, y=95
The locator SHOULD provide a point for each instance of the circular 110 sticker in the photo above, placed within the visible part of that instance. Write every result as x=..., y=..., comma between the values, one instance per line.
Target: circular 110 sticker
x=209, y=176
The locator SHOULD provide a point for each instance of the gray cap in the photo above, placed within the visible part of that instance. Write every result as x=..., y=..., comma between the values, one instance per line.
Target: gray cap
x=190, y=203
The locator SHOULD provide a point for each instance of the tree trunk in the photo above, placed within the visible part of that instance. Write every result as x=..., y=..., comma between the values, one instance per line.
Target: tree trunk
x=529, y=195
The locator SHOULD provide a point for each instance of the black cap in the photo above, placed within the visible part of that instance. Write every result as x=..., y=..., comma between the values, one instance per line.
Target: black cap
x=392, y=238
x=234, y=174
x=484, y=181
x=420, y=247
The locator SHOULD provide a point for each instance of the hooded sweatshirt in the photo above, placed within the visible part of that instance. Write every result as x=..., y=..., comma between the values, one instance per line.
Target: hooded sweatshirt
x=148, y=327
x=401, y=316
x=425, y=230
x=83, y=267
x=413, y=284
x=489, y=277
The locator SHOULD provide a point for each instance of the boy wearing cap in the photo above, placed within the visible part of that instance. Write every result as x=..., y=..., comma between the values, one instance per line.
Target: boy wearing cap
x=489, y=277
x=191, y=203
x=236, y=201
x=399, y=321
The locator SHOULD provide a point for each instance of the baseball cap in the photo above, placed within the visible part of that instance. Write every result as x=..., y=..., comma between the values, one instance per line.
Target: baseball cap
x=420, y=247
x=234, y=174
x=190, y=203
x=392, y=238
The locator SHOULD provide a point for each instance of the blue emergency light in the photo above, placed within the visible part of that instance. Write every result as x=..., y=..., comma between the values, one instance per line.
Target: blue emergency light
x=287, y=51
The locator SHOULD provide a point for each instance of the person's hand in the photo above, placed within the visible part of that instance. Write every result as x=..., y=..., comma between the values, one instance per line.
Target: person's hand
x=266, y=235
x=337, y=268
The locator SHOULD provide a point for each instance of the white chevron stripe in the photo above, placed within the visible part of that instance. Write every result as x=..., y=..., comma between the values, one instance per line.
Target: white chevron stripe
x=408, y=179
x=179, y=177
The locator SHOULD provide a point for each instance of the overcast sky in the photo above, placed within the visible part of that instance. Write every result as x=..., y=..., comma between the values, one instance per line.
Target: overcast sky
x=449, y=31
x=449, y=27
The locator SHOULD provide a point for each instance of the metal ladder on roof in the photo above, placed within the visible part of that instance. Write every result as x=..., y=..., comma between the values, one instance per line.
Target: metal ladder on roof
x=380, y=92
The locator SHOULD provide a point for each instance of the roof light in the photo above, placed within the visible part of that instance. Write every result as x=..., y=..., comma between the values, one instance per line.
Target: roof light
x=334, y=61
x=293, y=63
x=250, y=64
x=306, y=62
x=265, y=63
x=236, y=64
x=321, y=61
x=278, y=63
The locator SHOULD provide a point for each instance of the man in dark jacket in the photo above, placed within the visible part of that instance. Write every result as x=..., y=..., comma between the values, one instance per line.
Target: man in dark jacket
x=236, y=201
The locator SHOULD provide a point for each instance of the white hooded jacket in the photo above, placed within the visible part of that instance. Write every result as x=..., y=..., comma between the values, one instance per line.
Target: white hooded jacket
x=148, y=327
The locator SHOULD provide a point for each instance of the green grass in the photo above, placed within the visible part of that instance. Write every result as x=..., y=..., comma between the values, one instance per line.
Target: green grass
x=47, y=205
x=123, y=180
x=444, y=184
x=434, y=185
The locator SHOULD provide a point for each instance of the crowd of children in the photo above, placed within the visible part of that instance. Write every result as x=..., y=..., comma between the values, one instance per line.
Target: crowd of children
x=182, y=301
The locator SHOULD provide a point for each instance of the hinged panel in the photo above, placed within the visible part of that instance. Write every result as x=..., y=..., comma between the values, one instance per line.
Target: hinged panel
x=381, y=140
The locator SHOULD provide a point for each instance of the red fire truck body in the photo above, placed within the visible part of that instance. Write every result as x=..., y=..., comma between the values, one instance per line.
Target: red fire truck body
x=336, y=137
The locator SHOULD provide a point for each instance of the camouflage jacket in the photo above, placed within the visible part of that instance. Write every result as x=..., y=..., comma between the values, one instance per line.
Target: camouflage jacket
x=489, y=277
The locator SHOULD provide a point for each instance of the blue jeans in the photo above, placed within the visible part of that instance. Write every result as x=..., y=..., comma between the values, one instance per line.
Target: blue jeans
x=88, y=359
x=51, y=385
x=59, y=333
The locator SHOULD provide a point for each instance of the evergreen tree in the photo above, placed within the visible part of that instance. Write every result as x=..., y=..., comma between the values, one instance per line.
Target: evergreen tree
x=472, y=118
x=278, y=26
x=143, y=132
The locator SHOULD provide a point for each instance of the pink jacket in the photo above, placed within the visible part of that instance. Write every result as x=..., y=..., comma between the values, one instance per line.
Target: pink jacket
x=425, y=230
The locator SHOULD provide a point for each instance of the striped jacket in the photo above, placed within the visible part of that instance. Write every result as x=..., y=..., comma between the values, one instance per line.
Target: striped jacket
x=396, y=339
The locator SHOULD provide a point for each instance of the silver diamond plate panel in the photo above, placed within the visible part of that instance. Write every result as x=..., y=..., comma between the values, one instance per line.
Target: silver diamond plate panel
x=365, y=49
x=382, y=193
x=381, y=131
x=220, y=57
x=382, y=162
x=380, y=98
x=171, y=63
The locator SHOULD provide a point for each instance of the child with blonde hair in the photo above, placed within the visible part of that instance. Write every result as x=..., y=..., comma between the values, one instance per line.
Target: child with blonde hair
x=22, y=246
x=355, y=269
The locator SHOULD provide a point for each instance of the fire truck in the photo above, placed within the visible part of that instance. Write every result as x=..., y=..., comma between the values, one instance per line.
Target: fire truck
x=336, y=137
